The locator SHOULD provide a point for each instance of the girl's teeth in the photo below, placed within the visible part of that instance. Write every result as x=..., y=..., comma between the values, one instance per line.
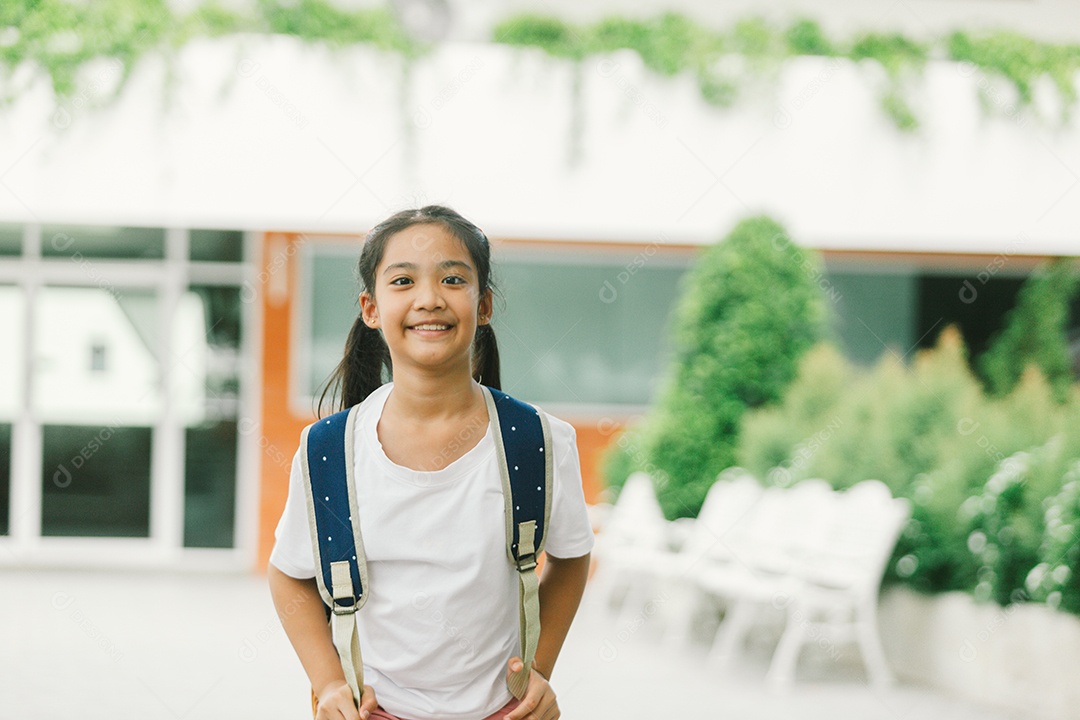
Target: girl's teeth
x=431, y=327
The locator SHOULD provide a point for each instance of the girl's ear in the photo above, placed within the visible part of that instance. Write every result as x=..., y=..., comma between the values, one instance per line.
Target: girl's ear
x=485, y=308
x=368, y=311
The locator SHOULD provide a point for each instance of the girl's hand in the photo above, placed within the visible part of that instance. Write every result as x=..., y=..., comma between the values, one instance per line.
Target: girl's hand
x=336, y=703
x=539, y=702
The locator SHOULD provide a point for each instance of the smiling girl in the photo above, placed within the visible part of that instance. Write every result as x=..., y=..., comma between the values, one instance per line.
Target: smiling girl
x=440, y=629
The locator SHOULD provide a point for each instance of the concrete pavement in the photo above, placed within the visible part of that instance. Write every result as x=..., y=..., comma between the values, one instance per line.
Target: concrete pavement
x=146, y=645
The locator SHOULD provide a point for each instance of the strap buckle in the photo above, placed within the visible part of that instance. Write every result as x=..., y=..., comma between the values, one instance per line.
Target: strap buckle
x=344, y=609
x=526, y=563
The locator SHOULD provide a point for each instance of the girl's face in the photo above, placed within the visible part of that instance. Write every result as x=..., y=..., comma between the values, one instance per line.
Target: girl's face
x=427, y=300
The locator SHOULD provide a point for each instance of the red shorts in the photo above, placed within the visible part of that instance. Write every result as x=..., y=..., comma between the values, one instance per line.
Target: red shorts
x=381, y=714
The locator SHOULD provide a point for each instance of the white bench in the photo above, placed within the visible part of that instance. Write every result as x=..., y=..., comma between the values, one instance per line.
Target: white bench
x=815, y=554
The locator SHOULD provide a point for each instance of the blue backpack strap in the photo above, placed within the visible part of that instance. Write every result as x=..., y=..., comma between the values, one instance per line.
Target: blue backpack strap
x=326, y=459
x=523, y=443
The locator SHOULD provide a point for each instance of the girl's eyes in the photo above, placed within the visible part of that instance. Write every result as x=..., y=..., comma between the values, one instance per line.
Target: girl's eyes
x=450, y=280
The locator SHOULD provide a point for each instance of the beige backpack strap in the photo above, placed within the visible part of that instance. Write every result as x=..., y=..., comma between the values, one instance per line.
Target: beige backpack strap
x=328, y=467
x=526, y=491
x=345, y=633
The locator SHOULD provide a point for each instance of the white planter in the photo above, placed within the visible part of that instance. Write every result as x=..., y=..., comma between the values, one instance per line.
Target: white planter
x=1022, y=658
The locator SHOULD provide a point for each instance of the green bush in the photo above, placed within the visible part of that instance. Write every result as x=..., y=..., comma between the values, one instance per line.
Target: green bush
x=1055, y=580
x=932, y=435
x=1007, y=520
x=845, y=425
x=751, y=306
x=1035, y=333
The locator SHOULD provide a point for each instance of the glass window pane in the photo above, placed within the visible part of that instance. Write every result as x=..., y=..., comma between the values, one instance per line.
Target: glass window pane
x=874, y=312
x=5, y=478
x=207, y=335
x=95, y=481
x=10, y=239
x=210, y=485
x=333, y=290
x=574, y=332
x=96, y=356
x=12, y=355
x=216, y=246
x=206, y=351
x=128, y=243
x=12, y=351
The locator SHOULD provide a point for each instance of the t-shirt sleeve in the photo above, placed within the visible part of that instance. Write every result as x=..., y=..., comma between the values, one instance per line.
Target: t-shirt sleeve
x=292, y=553
x=569, y=534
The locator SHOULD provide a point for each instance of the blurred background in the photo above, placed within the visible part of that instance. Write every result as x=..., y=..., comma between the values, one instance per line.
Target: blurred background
x=777, y=242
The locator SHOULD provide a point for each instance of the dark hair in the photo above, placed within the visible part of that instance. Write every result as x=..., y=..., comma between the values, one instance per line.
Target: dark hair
x=361, y=371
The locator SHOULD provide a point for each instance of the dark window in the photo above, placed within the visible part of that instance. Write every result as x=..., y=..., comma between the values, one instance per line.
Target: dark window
x=210, y=485
x=216, y=246
x=978, y=309
x=5, y=478
x=10, y=239
x=95, y=481
x=79, y=243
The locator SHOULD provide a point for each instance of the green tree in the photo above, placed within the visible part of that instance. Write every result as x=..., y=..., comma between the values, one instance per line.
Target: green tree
x=751, y=307
x=1035, y=333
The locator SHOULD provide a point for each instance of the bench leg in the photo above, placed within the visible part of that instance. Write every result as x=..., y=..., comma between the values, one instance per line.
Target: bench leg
x=866, y=630
x=782, y=668
x=729, y=638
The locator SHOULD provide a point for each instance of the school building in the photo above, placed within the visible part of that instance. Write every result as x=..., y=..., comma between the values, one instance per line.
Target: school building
x=177, y=272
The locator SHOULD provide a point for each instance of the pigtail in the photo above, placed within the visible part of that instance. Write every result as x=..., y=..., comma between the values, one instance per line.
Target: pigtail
x=360, y=372
x=486, y=357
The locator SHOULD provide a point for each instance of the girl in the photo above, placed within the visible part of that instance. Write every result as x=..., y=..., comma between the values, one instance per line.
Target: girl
x=439, y=631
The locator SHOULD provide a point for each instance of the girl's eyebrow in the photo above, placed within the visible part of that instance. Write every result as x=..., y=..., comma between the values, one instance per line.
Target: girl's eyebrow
x=444, y=265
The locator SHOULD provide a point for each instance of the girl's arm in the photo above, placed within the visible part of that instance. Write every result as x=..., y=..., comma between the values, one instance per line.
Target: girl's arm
x=561, y=585
x=301, y=612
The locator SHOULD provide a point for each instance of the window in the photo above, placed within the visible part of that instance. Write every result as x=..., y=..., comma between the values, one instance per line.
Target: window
x=586, y=330
x=79, y=243
x=216, y=246
x=207, y=339
x=10, y=239
x=95, y=481
x=329, y=306
x=874, y=311
x=5, y=478
x=574, y=329
x=12, y=354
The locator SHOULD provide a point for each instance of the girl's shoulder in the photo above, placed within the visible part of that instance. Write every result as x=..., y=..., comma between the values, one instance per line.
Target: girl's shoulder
x=562, y=432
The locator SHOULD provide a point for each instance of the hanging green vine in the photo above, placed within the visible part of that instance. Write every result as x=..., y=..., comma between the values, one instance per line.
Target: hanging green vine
x=672, y=44
x=61, y=37
x=1020, y=61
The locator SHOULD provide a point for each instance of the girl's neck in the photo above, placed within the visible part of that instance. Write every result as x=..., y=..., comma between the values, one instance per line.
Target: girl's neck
x=424, y=398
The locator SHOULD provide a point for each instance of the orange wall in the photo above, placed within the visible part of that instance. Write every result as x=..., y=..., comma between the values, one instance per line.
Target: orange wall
x=280, y=426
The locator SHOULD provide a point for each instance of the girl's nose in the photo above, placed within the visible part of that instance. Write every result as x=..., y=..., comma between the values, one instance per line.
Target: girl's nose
x=429, y=296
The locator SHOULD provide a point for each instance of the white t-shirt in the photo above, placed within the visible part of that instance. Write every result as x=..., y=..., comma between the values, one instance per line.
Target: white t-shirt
x=441, y=618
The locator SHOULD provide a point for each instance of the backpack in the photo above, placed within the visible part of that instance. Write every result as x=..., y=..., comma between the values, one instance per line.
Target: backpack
x=523, y=446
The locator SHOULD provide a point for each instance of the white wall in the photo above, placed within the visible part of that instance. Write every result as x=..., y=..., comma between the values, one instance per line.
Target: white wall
x=267, y=133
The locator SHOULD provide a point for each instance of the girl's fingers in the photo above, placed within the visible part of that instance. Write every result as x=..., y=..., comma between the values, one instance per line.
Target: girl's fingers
x=339, y=705
x=368, y=703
